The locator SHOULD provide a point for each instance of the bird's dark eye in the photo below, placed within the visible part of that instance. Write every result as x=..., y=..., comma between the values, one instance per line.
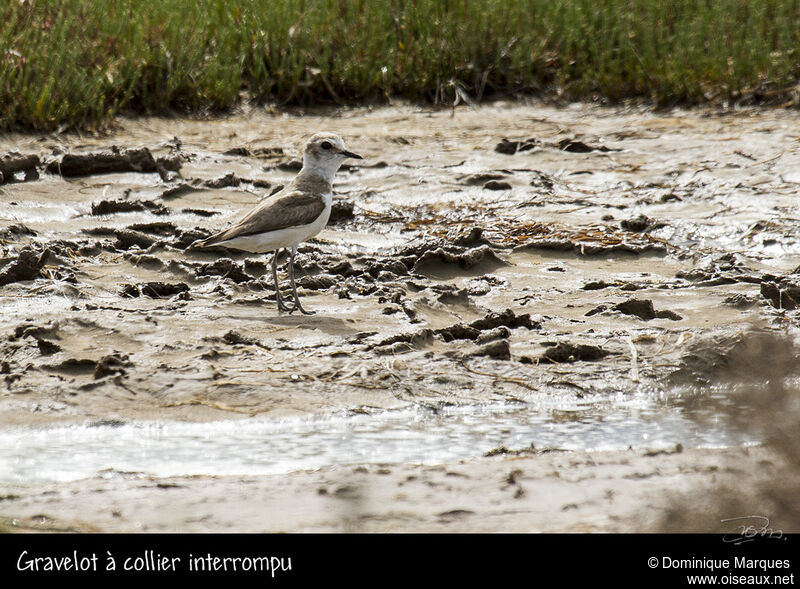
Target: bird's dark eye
x=325, y=145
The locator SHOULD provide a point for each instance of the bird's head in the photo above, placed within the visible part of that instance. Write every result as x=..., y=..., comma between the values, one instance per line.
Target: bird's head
x=325, y=153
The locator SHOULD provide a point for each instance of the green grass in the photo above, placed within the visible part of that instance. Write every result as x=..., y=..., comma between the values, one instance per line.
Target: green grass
x=77, y=63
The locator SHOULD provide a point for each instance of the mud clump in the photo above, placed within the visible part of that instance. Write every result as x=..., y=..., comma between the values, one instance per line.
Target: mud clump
x=15, y=231
x=111, y=364
x=341, y=268
x=458, y=331
x=479, y=179
x=637, y=224
x=27, y=266
x=200, y=212
x=482, y=256
x=144, y=260
x=496, y=324
x=504, y=451
x=154, y=290
x=234, y=338
x=591, y=249
x=597, y=285
x=259, y=152
x=454, y=297
x=643, y=309
x=237, y=151
x=341, y=211
x=188, y=237
x=35, y=331
x=180, y=190
x=110, y=207
x=255, y=267
x=226, y=268
x=229, y=180
x=471, y=237
x=107, y=365
x=375, y=267
x=404, y=342
x=726, y=269
x=109, y=162
x=496, y=185
x=14, y=165
x=508, y=147
x=566, y=352
x=596, y=310
x=782, y=295
x=499, y=350
x=506, y=319
x=47, y=348
x=575, y=146
x=127, y=239
x=73, y=366
x=290, y=166
x=42, y=334
x=501, y=332
x=739, y=301
x=163, y=229
x=169, y=167
x=543, y=181
x=318, y=282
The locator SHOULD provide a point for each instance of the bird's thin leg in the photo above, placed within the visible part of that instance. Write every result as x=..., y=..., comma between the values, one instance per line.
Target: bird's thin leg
x=281, y=305
x=297, y=304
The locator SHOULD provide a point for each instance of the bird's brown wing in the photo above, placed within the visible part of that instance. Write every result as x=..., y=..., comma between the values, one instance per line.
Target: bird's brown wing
x=282, y=210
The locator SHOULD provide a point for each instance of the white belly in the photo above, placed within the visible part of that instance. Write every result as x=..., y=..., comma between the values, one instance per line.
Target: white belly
x=289, y=237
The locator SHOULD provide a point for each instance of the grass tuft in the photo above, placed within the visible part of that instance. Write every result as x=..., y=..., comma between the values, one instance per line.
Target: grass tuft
x=77, y=63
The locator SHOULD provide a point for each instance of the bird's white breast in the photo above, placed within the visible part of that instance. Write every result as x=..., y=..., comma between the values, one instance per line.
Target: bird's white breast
x=289, y=237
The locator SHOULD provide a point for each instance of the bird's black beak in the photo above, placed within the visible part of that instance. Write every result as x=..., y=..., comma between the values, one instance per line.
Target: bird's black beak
x=352, y=155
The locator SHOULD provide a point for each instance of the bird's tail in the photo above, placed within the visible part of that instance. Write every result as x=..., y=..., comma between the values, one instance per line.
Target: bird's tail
x=207, y=242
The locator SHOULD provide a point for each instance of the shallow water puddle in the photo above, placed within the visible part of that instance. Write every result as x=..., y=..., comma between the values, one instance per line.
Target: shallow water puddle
x=414, y=435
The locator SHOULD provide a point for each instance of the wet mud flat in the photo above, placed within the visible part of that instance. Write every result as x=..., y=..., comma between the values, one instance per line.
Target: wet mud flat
x=520, y=256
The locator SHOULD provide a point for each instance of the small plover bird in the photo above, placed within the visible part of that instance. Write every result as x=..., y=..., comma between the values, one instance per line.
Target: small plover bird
x=293, y=215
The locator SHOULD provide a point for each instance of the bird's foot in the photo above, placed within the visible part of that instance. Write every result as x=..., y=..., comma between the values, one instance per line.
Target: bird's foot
x=299, y=307
x=282, y=306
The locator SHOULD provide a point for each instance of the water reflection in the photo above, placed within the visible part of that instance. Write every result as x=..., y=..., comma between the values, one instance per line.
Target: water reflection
x=415, y=435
